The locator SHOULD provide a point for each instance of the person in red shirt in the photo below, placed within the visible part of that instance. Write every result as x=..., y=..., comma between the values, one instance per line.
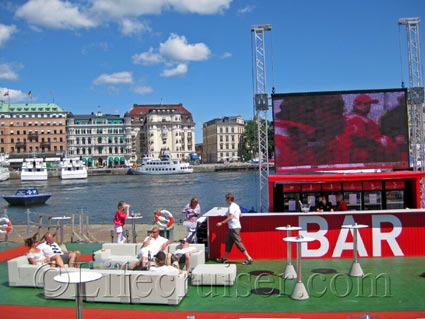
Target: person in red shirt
x=341, y=205
x=119, y=220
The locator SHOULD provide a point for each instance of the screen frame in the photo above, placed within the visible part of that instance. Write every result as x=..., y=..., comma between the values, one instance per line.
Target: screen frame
x=399, y=165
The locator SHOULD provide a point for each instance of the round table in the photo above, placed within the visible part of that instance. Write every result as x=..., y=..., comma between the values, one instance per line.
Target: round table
x=356, y=270
x=299, y=292
x=133, y=225
x=61, y=219
x=79, y=278
x=290, y=272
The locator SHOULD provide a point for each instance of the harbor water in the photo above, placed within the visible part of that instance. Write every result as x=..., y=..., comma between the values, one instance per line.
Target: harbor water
x=98, y=196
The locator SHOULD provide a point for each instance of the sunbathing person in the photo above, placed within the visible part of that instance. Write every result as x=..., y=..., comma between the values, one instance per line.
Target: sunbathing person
x=161, y=266
x=182, y=255
x=151, y=246
x=36, y=256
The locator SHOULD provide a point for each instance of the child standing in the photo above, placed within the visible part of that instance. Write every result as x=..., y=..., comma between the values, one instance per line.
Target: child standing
x=119, y=220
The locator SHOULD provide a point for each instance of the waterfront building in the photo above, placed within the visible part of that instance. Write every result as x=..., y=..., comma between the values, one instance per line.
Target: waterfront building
x=222, y=139
x=162, y=128
x=100, y=140
x=32, y=129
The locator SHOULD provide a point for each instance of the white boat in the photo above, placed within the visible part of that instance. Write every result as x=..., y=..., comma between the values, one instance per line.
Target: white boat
x=4, y=168
x=162, y=166
x=72, y=168
x=34, y=169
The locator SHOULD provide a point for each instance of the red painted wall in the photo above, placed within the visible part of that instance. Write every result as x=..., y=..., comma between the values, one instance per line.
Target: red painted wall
x=390, y=233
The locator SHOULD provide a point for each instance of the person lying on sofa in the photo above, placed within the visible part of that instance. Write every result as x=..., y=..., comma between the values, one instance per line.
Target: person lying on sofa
x=51, y=248
x=151, y=246
x=36, y=256
x=161, y=266
x=182, y=255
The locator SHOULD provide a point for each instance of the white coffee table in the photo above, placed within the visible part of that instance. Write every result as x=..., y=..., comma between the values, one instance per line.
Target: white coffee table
x=78, y=278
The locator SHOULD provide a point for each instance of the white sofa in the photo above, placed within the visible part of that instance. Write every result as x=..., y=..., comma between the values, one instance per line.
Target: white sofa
x=23, y=274
x=113, y=255
x=123, y=286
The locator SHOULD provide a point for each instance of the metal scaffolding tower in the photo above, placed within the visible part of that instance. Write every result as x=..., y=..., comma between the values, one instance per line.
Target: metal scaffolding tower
x=261, y=106
x=415, y=97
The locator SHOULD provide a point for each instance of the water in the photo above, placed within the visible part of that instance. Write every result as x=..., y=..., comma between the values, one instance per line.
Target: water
x=98, y=196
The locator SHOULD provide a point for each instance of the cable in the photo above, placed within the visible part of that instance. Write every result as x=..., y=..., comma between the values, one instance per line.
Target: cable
x=401, y=57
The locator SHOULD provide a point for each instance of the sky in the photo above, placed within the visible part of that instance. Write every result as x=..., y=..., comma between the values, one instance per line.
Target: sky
x=107, y=55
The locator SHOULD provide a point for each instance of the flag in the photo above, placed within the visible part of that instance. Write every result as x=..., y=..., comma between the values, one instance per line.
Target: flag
x=6, y=93
x=30, y=93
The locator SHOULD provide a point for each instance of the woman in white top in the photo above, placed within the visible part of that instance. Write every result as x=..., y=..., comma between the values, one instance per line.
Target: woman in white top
x=192, y=211
x=37, y=257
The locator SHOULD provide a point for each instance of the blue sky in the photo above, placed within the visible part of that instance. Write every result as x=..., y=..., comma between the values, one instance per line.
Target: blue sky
x=107, y=55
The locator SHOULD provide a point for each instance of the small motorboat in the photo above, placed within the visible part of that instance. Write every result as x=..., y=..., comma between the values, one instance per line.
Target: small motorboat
x=26, y=197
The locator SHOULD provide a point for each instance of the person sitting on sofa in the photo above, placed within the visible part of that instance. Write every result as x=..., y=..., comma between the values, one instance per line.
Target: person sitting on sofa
x=182, y=255
x=51, y=248
x=161, y=266
x=151, y=246
x=36, y=256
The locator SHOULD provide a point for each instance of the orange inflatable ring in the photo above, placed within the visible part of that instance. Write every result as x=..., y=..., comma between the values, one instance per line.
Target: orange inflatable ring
x=164, y=219
x=5, y=225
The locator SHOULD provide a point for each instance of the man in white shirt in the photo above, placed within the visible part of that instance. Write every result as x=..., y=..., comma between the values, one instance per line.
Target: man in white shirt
x=233, y=237
x=182, y=255
x=151, y=246
x=51, y=248
x=161, y=267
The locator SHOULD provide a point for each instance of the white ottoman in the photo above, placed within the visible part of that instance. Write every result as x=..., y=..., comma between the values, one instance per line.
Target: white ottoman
x=214, y=275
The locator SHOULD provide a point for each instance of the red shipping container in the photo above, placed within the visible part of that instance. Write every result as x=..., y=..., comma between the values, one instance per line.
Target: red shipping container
x=291, y=188
x=372, y=185
x=311, y=187
x=352, y=186
x=394, y=184
x=329, y=187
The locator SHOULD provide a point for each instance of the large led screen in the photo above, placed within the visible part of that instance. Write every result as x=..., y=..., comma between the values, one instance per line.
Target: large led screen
x=341, y=130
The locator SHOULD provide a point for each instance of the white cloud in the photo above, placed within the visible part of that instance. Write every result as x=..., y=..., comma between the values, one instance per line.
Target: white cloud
x=180, y=69
x=201, y=6
x=245, y=10
x=7, y=72
x=147, y=58
x=226, y=55
x=176, y=48
x=127, y=8
x=129, y=27
x=54, y=14
x=114, y=78
x=136, y=8
x=142, y=90
x=14, y=95
x=6, y=32
x=175, y=53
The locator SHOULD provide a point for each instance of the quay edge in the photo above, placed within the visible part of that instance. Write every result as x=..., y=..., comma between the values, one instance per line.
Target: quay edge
x=202, y=168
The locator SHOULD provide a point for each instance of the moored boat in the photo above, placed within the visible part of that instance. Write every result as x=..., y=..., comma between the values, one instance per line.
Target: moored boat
x=34, y=169
x=72, y=168
x=26, y=197
x=162, y=166
x=4, y=168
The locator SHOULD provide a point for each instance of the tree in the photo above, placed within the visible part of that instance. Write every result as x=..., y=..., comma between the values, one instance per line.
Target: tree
x=250, y=140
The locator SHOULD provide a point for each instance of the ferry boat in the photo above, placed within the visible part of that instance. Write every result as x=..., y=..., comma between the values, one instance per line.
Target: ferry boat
x=162, y=166
x=72, y=168
x=4, y=168
x=26, y=197
x=34, y=169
